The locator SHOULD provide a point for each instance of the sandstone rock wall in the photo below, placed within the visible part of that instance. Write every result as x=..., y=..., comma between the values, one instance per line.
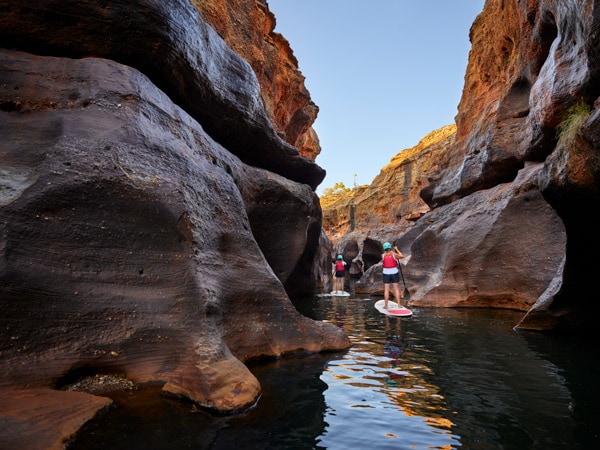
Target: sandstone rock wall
x=387, y=207
x=507, y=226
x=151, y=218
x=180, y=53
x=529, y=63
x=248, y=28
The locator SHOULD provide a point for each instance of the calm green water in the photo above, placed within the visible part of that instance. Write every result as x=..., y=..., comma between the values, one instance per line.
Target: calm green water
x=439, y=379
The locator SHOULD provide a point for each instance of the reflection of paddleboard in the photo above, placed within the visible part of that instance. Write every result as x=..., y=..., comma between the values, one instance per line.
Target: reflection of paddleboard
x=339, y=294
x=393, y=309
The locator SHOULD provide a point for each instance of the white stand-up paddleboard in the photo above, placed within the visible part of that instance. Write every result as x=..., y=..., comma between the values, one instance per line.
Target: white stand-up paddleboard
x=339, y=294
x=393, y=309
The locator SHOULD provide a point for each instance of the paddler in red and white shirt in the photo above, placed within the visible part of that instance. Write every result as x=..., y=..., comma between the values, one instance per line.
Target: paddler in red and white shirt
x=390, y=260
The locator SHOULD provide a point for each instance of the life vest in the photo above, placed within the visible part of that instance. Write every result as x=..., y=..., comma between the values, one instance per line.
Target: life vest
x=389, y=261
x=339, y=265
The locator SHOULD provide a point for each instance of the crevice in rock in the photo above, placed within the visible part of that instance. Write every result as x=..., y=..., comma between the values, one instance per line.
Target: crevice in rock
x=546, y=34
x=94, y=380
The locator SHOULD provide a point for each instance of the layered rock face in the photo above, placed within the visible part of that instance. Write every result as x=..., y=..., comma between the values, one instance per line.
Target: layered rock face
x=506, y=227
x=394, y=194
x=151, y=216
x=359, y=222
x=248, y=28
x=180, y=53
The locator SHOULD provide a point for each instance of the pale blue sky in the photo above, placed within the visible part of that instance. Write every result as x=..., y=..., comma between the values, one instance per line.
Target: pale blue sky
x=384, y=73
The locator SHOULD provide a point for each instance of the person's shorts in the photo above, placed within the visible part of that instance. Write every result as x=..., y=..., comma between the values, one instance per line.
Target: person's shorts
x=340, y=273
x=391, y=278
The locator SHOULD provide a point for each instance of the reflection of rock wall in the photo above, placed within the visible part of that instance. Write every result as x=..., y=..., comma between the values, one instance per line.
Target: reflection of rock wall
x=134, y=190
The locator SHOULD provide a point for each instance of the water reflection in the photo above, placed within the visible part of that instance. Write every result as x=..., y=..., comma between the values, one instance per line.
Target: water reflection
x=443, y=378
x=381, y=386
x=465, y=379
x=492, y=378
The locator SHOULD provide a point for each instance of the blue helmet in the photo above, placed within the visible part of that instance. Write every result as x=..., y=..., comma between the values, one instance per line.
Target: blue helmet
x=387, y=246
x=340, y=257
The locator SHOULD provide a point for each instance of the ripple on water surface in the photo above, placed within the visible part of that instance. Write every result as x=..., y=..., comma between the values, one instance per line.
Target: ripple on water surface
x=439, y=379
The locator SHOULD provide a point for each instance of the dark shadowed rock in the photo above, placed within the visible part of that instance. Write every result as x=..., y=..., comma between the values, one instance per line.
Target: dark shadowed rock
x=125, y=243
x=286, y=222
x=570, y=181
x=179, y=52
x=131, y=242
x=516, y=242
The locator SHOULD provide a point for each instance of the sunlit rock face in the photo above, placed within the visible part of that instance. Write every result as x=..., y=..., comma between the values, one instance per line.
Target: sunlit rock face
x=137, y=170
x=530, y=64
x=506, y=227
x=248, y=28
x=360, y=222
x=394, y=194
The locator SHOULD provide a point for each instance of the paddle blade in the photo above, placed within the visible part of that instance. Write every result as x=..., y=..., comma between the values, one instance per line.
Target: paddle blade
x=406, y=293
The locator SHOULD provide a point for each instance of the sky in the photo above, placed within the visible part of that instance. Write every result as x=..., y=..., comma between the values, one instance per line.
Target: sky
x=383, y=73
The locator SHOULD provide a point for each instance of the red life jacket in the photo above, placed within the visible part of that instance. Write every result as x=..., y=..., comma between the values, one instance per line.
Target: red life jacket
x=339, y=265
x=389, y=261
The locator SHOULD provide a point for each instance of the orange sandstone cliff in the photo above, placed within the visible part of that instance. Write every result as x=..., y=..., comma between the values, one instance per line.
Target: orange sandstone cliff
x=248, y=28
x=503, y=225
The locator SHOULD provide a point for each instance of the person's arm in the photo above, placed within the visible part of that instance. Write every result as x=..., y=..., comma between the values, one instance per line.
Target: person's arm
x=397, y=253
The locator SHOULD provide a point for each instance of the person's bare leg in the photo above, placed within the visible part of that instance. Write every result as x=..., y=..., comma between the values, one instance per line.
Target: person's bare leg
x=386, y=294
x=397, y=293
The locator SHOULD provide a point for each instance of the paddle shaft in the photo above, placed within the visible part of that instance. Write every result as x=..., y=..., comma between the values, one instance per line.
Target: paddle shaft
x=406, y=292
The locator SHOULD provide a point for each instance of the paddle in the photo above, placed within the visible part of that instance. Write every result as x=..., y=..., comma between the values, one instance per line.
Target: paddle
x=406, y=292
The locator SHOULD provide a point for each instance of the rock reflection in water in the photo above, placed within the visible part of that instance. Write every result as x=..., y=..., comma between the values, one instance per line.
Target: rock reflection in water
x=382, y=385
x=443, y=378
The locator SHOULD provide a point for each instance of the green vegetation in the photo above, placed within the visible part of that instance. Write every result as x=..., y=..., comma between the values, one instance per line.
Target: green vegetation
x=572, y=120
x=337, y=189
x=338, y=192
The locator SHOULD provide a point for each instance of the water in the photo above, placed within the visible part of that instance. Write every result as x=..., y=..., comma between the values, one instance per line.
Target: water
x=441, y=379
